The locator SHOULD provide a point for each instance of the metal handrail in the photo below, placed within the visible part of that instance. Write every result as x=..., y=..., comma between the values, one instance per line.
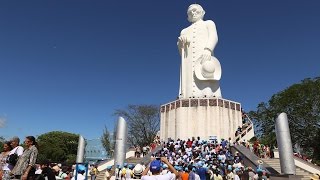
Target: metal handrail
x=245, y=131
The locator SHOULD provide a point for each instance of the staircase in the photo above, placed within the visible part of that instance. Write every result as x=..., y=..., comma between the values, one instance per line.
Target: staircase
x=130, y=160
x=275, y=164
x=100, y=175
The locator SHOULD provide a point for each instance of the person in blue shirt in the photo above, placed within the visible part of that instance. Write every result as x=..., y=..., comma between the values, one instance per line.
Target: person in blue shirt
x=201, y=171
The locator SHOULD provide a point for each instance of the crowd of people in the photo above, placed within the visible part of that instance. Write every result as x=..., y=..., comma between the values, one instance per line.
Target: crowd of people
x=141, y=151
x=193, y=159
x=17, y=162
x=144, y=150
x=260, y=150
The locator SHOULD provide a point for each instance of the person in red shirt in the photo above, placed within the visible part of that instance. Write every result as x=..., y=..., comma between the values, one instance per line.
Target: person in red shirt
x=189, y=143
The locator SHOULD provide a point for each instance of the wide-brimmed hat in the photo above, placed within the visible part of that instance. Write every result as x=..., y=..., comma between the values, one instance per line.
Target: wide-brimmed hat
x=137, y=170
x=208, y=70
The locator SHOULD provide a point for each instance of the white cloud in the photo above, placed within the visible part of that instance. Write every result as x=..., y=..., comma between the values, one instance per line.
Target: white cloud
x=2, y=121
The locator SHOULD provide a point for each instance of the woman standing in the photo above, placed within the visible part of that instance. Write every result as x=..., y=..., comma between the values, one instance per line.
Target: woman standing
x=4, y=166
x=25, y=167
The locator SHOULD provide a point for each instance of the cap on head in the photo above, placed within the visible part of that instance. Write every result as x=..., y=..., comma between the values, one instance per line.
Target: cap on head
x=131, y=166
x=81, y=168
x=164, y=166
x=155, y=166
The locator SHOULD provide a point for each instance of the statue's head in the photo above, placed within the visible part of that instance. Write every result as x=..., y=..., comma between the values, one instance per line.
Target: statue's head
x=195, y=13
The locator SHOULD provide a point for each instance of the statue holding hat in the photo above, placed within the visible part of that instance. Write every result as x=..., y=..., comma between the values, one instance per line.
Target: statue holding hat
x=200, y=71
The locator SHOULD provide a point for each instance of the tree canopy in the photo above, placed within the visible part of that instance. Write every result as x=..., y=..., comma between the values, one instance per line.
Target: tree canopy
x=301, y=102
x=1, y=143
x=143, y=123
x=106, y=141
x=58, y=146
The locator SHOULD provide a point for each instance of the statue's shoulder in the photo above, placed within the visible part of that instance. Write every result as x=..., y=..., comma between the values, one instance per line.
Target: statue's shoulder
x=209, y=22
x=183, y=31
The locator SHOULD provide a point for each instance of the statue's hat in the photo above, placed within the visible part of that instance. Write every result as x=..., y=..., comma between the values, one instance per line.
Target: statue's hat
x=208, y=70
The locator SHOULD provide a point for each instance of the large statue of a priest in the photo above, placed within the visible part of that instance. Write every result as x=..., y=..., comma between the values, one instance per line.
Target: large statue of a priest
x=200, y=70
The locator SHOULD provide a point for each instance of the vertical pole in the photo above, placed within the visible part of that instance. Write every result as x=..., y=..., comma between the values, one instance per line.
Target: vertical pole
x=285, y=145
x=80, y=153
x=121, y=141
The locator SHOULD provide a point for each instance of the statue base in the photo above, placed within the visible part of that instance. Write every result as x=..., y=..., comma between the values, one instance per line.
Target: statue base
x=205, y=118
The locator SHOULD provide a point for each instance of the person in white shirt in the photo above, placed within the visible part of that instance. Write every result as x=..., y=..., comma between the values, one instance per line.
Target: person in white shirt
x=118, y=172
x=155, y=168
x=236, y=174
x=16, y=149
x=222, y=157
x=38, y=169
x=81, y=172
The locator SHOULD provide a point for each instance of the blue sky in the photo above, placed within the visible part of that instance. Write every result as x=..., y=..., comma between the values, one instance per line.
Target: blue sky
x=67, y=65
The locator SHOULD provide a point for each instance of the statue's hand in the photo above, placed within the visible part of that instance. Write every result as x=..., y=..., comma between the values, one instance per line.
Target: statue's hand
x=183, y=40
x=206, y=56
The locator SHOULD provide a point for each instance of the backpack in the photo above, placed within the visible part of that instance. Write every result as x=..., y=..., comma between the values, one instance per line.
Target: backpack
x=12, y=159
x=93, y=171
x=123, y=172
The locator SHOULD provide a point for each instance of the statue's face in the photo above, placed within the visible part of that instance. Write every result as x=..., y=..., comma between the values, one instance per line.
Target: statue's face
x=195, y=13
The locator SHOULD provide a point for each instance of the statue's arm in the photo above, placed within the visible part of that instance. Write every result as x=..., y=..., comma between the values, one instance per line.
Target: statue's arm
x=181, y=43
x=213, y=36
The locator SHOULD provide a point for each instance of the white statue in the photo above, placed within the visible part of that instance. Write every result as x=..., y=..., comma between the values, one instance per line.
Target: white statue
x=200, y=71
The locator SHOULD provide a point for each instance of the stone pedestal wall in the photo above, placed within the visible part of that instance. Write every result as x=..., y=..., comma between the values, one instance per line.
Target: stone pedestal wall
x=187, y=118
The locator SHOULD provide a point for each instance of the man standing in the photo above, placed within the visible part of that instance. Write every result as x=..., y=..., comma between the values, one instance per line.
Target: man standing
x=200, y=72
x=93, y=172
x=16, y=149
x=81, y=173
x=155, y=168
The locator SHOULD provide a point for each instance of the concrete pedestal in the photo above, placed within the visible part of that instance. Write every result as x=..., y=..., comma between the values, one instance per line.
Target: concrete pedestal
x=187, y=118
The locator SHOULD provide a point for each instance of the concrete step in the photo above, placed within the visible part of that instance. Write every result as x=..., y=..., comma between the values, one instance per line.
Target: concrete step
x=101, y=174
x=306, y=178
x=275, y=164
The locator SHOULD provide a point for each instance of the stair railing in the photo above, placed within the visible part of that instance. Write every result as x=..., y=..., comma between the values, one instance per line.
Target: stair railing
x=246, y=130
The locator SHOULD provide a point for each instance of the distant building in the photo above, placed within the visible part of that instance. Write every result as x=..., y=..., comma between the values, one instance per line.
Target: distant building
x=95, y=151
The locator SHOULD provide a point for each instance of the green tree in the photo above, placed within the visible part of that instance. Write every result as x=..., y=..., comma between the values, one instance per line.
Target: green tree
x=1, y=143
x=143, y=123
x=106, y=141
x=58, y=146
x=301, y=102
